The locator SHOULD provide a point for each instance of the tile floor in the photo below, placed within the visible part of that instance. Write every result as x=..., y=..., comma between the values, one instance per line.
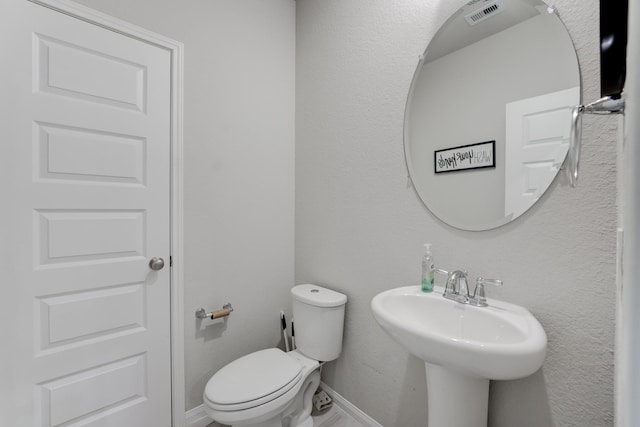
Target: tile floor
x=334, y=417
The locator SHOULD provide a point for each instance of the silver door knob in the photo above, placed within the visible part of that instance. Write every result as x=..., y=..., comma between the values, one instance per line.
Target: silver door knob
x=156, y=263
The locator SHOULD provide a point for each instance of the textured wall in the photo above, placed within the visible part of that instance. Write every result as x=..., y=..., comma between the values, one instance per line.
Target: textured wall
x=360, y=228
x=239, y=168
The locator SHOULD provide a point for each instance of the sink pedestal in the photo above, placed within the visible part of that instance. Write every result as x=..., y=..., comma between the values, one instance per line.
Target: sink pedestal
x=456, y=399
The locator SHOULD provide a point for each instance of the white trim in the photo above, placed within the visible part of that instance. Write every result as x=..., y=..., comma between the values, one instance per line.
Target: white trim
x=197, y=417
x=176, y=48
x=350, y=408
x=628, y=328
x=177, y=234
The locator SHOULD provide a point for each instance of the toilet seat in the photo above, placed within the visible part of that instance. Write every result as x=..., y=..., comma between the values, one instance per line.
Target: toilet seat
x=253, y=380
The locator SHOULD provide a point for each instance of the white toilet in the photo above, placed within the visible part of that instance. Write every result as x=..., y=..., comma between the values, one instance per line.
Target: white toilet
x=271, y=388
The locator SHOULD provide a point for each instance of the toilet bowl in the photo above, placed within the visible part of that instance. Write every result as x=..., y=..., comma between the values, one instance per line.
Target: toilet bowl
x=271, y=388
x=263, y=389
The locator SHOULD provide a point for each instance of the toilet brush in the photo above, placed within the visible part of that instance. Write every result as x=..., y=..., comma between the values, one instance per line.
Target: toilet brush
x=293, y=336
x=284, y=331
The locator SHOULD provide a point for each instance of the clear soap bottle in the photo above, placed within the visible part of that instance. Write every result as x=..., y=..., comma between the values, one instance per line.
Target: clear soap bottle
x=428, y=269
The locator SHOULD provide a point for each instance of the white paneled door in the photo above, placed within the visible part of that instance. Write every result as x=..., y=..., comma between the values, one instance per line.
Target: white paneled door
x=536, y=143
x=85, y=179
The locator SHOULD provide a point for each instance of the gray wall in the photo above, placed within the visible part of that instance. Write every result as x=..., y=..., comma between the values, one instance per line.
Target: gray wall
x=360, y=228
x=239, y=168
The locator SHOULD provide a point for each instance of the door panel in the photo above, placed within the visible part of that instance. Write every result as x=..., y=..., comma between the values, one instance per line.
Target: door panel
x=122, y=83
x=537, y=140
x=84, y=178
x=88, y=155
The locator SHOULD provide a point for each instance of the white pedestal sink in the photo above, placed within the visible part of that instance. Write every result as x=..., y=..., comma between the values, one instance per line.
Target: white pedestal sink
x=463, y=347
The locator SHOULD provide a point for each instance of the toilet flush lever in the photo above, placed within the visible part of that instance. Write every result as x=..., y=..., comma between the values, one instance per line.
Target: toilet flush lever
x=216, y=314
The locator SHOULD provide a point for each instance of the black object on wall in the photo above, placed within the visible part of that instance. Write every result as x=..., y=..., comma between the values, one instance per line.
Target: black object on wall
x=613, y=46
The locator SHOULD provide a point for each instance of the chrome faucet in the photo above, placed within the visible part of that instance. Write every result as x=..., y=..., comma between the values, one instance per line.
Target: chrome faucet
x=457, y=288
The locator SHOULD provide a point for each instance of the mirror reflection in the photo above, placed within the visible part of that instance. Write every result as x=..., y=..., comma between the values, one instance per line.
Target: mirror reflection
x=488, y=114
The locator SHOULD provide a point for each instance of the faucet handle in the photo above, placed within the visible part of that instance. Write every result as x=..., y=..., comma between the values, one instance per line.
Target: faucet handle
x=494, y=282
x=479, y=299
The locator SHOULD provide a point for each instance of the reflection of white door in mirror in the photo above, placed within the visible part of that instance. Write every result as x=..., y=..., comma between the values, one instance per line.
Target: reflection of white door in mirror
x=537, y=138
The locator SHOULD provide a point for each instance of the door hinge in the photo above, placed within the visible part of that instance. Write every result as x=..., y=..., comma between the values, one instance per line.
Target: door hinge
x=170, y=261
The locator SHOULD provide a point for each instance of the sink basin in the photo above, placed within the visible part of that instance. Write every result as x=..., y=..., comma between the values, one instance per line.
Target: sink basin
x=500, y=342
x=463, y=347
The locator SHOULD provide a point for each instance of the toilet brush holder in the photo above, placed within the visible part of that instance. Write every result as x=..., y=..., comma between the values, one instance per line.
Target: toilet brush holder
x=322, y=402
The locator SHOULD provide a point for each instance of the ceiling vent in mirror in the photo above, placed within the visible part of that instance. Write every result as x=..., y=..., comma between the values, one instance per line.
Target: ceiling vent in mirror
x=485, y=12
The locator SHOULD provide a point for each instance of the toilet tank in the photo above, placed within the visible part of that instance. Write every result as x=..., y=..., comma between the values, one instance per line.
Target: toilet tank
x=318, y=314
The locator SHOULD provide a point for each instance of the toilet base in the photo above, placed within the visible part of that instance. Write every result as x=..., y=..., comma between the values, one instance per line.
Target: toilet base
x=307, y=423
x=303, y=403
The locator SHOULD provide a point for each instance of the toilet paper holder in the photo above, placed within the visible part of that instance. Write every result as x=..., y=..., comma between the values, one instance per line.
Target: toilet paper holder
x=226, y=310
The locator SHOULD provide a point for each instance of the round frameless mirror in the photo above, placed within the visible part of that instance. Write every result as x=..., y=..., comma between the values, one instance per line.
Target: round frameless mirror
x=489, y=112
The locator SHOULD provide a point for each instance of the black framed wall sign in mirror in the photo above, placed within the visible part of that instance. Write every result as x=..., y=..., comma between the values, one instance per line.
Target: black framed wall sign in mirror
x=497, y=70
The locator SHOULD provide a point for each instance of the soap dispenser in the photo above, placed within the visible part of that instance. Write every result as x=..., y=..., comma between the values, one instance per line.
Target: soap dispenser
x=428, y=269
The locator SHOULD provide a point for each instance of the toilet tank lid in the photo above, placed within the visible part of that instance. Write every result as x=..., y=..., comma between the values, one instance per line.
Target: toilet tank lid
x=318, y=296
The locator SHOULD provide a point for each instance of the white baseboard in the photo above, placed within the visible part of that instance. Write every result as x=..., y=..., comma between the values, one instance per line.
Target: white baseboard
x=350, y=408
x=197, y=417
